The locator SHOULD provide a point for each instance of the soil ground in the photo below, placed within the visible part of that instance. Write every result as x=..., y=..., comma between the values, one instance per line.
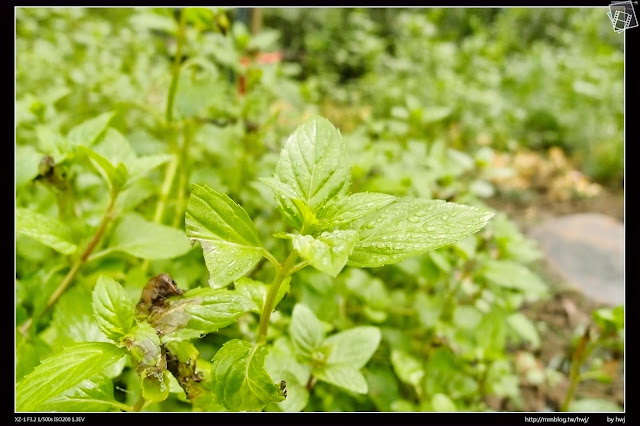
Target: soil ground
x=565, y=312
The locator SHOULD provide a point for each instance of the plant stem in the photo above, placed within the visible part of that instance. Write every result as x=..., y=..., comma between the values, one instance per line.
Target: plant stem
x=579, y=355
x=311, y=382
x=270, y=257
x=139, y=404
x=172, y=167
x=282, y=273
x=177, y=62
x=299, y=266
x=68, y=279
x=182, y=178
x=121, y=406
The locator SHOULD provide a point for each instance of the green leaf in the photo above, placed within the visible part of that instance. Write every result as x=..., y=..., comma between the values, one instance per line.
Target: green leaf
x=239, y=379
x=512, y=275
x=383, y=387
x=144, y=345
x=280, y=189
x=28, y=353
x=429, y=308
x=149, y=361
x=257, y=291
x=342, y=212
x=314, y=164
x=112, y=308
x=344, y=376
x=141, y=238
x=116, y=148
x=353, y=347
x=88, y=132
x=63, y=371
x=142, y=165
x=281, y=362
x=199, y=311
x=299, y=213
x=366, y=287
x=52, y=142
x=411, y=226
x=73, y=320
x=253, y=290
x=610, y=317
x=26, y=165
x=523, y=326
x=47, y=230
x=491, y=333
x=445, y=374
x=155, y=385
x=407, y=368
x=306, y=331
x=433, y=114
x=227, y=235
x=327, y=253
x=116, y=176
x=441, y=402
x=95, y=394
x=294, y=210
x=589, y=405
x=189, y=101
x=297, y=396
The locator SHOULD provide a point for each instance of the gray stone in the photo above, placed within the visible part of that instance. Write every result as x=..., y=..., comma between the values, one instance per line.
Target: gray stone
x=586, y=249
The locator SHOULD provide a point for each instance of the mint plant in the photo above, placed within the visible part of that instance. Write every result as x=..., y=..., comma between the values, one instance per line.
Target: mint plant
x=145, y=121
x=329, y=229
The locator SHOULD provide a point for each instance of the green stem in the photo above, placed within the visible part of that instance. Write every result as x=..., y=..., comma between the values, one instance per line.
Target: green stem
x=182, y=178
x=311, y=382
x=581, y=353
x=270, y=257
x=172, y=167
x=299, y=266
x=121, y=406
x=282, y=273
x=177, y=62
x=68, y=279
x=65, y=204
x=169, y=176
x=140, y=403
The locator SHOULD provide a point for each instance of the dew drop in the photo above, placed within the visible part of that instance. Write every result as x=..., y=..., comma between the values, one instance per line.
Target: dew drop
x=414, y=219
x=371, y=225
x=229, y=273
x=431, y=228
x=420, y=213
x=444, y=217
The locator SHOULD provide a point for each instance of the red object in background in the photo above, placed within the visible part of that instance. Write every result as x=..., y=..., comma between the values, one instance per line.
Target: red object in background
x=262, y=59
